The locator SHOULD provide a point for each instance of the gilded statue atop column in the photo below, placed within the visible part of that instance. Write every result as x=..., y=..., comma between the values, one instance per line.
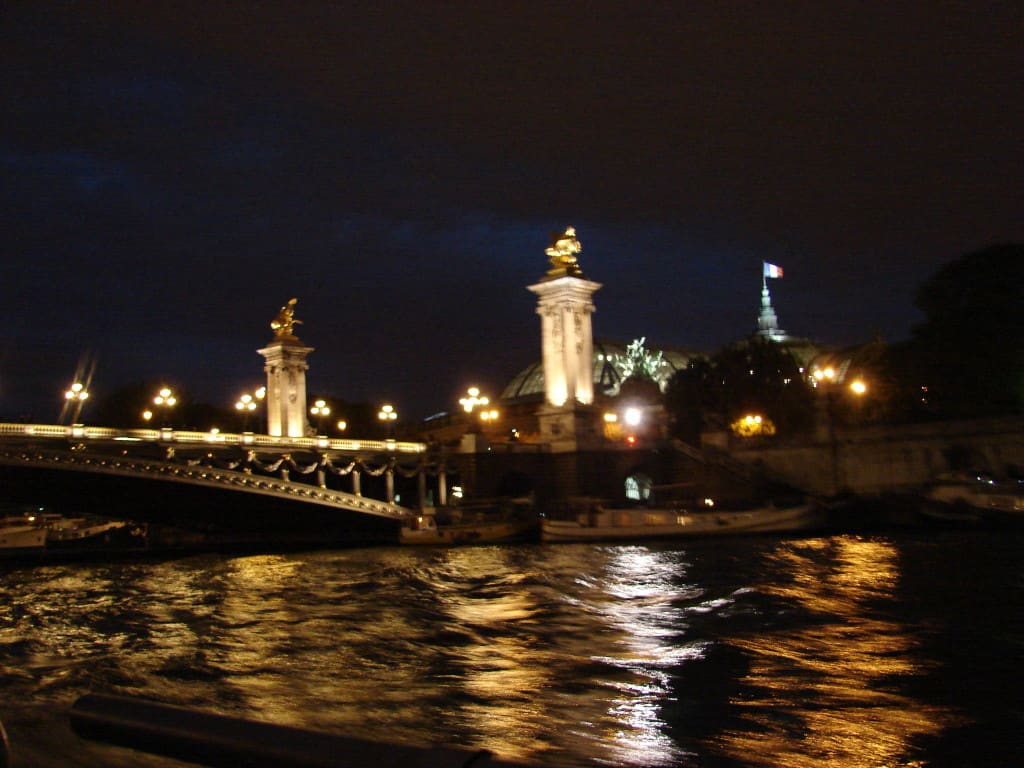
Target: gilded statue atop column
x=562, y=253
x=284, y=324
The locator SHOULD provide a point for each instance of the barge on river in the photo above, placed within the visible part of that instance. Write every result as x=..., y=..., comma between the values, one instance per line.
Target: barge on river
x=601, y=523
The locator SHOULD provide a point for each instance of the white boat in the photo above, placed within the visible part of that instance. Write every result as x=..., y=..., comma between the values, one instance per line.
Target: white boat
x=965, y=493
x=20, y=537
x=610, y=524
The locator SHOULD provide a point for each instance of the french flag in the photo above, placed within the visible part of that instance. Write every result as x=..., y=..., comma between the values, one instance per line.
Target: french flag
x=770, y=270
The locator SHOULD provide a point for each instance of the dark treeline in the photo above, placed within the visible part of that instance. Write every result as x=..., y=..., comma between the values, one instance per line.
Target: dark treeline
x=964, y=360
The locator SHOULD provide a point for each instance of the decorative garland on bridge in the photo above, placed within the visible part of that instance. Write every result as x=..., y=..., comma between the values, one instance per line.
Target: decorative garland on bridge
x=323, y=463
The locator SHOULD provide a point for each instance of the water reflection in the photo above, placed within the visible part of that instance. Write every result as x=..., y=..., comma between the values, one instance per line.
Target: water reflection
x=827, y=691
x=503, y=669
x=753, y=652
x=642, y=600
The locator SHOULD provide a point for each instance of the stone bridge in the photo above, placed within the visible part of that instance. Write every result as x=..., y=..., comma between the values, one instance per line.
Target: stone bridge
x=226, y=486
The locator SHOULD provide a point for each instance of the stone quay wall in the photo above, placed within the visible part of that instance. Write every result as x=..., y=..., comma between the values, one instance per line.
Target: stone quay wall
x=892, y=459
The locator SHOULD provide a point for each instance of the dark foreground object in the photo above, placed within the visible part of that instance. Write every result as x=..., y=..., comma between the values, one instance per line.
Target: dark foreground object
x=217, y=740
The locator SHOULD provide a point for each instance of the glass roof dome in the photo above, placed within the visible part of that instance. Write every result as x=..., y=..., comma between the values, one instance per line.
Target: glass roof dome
x=611, y=366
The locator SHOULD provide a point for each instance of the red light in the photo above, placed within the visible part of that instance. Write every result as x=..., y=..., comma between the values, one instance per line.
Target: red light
x=631, y=439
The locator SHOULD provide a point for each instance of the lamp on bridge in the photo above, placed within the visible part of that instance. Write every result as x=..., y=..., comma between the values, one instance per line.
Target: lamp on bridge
x=342, y=425
x=388, y=415
x=245, y=405
x=320, y=409
x=75, y=398
x=165, y=401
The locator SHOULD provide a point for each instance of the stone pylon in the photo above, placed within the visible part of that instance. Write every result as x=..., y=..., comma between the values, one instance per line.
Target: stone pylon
x=565, y=305
x=286, y=368
x=567, y=341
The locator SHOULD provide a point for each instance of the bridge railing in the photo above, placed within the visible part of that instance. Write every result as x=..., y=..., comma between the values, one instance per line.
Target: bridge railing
x=212, y=437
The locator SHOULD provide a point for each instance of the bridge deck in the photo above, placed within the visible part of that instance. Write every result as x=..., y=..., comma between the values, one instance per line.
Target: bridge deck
x=15, y=433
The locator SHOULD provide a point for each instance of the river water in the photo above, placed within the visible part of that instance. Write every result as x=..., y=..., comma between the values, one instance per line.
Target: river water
x=846, y=651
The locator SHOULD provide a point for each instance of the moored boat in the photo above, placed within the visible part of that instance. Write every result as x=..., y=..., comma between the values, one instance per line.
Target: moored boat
x=491, y=523
x=89, y=533
x=18, y=536
x=975, y=496
x=601, y=523
x=425, y=530
x=55, y=532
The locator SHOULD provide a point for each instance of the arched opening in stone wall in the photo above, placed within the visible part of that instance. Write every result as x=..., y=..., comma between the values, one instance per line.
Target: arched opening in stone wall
x=638, y=487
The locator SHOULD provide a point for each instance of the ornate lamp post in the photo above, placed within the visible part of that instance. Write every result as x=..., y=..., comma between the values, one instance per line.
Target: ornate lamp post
x=388, y=415
x=75, y=398
x=245, y=405
x=165, y=400
x=472, y=399
x=319, y=410
x=823, y=378
x=826, y=379
x=260, y=395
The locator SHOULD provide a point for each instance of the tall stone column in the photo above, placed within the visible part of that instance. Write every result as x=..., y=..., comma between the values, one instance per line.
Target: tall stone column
x=286, y=368
x=565, y=305
x=567, y=340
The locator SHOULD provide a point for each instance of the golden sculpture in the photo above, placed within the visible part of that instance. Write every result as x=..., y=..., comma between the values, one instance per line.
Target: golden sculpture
x=284, y=324
x=562, y=253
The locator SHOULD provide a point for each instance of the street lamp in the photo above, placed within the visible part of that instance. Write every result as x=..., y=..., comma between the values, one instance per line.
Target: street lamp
x=388, y=415
x=319, y=410
x=245, y=405
x=164, y=400
x=75, y=397
x=342, y=425
x=491, y=415
x=261, y=394
x=633, y=416
x=472, y=399
x=826, y=378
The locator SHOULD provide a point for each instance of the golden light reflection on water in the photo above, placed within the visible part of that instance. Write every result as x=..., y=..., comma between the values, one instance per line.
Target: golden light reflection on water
x=503, y=671
x=284, y=649
x=826, y=694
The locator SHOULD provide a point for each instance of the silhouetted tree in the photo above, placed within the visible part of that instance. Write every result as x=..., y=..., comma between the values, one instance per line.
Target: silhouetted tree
x=690, y=397
x=967, y=357
x=757, y=376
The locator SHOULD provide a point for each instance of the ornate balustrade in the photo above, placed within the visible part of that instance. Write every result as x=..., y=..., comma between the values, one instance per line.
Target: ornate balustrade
x=184, y=437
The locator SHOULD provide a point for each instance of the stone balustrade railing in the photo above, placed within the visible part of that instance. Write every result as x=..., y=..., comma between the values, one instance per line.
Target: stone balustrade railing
x=213, y=437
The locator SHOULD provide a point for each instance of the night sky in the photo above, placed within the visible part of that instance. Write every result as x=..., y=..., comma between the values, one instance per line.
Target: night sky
x=173, y=173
